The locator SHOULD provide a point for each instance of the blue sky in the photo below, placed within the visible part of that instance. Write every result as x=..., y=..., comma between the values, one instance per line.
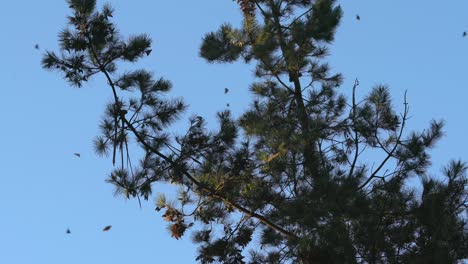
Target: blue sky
x=409, y=45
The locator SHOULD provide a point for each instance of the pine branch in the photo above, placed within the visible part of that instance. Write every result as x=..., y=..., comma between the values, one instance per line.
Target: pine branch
x=356, y=136
x=205, y=190
x=389, y=155
x=309, y=149
x=208, y=191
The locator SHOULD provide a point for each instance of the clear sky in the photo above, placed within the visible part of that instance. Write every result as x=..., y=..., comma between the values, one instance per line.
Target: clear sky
x=44, y=189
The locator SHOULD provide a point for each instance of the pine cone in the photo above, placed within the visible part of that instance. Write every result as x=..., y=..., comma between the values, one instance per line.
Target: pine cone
x=247, y=6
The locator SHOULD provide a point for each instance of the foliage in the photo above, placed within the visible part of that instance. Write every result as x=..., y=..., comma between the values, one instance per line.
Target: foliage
x=292, y=170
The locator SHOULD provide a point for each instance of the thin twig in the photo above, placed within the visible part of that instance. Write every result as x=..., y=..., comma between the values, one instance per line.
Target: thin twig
x=390, y=154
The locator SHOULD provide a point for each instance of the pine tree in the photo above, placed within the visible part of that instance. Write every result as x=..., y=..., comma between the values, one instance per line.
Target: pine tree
x=292, y=170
